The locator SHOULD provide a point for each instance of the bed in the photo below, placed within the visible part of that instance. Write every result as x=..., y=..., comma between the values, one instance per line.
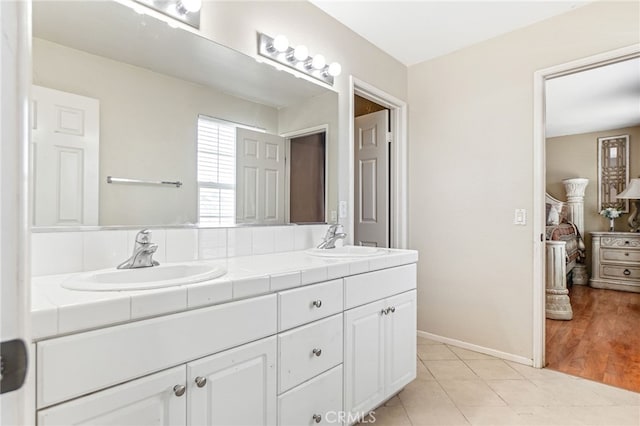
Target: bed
x=565, y=248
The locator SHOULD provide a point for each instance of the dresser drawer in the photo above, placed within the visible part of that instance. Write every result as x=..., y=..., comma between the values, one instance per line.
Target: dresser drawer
x=620, y=272
x=619, y=255
x=626, y=241
x=306, y=304
x=318, y=400
x=309, y=350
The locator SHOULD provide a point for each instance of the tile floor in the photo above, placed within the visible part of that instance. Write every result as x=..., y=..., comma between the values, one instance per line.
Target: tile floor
x=460, y=387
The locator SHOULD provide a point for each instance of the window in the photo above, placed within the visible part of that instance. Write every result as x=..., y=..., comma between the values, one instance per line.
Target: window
x=216, y=171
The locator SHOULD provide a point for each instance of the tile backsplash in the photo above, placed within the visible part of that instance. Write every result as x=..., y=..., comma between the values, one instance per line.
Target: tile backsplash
x=77, y=251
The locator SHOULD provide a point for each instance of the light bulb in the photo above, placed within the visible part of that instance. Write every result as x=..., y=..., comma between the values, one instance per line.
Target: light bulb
x=318, y=62
x=280, y=43
x=335, y=69
x=301, y=53
x=185, y=6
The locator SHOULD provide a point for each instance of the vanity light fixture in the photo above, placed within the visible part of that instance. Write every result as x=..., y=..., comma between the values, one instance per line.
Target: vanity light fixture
x=632, y=192
x=278, y=49
x=185, y=11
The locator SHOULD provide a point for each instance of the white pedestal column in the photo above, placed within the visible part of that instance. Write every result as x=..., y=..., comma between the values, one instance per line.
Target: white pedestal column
x=575, y=189
x=557, y=304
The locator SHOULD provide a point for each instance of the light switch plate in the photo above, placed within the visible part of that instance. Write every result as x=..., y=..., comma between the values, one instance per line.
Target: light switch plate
x=520, y=217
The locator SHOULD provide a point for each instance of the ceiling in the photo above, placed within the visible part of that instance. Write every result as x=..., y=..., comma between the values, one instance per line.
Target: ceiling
x=440, y=27
x=600, y=99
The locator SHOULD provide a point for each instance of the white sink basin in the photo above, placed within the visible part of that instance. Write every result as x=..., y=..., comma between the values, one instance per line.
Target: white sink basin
x=347, y=251
x=166, y=275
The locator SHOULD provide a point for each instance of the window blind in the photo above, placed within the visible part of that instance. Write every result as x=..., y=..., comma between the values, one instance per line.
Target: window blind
x=216, y=171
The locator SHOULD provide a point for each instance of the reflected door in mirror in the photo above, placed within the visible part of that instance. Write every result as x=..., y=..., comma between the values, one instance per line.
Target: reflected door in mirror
x=64, y=155
x=307, y=178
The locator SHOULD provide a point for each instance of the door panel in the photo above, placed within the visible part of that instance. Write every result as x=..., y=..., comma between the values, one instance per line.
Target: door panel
x=364, y=362
x=240, y=387
x=372, y=179
x=146, y=401
x=65, y=148
x=260, y=171
x=400, y=335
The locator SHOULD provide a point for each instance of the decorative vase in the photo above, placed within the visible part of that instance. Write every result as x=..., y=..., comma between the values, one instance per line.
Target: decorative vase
x=611, y=224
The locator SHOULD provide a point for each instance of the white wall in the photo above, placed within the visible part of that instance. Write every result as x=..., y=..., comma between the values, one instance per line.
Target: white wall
x=471, y=147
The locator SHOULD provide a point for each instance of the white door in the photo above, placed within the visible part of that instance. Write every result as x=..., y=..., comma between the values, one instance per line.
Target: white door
x=151, y=400
x=364, y=357
x=16, y=401
x=260, y=172
x=400, y=341
x=372, y=179
x=235, y=387
x=65, y=149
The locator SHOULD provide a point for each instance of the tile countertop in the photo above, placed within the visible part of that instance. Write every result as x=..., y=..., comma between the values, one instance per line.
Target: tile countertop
x=58, y=311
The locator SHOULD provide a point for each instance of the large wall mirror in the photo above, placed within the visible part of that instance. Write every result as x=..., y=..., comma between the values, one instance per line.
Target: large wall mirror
x=124, y=95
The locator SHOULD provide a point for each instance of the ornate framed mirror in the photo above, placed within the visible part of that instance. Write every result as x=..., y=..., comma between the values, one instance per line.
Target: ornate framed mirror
x=613, y=171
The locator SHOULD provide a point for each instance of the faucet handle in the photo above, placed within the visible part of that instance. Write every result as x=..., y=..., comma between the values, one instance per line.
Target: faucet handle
x=144, y=236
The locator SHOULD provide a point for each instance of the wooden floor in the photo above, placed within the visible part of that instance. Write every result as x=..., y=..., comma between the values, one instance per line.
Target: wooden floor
x=602, y=341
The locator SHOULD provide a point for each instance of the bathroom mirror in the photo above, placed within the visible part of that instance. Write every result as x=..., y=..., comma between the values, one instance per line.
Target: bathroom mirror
x=139, y=87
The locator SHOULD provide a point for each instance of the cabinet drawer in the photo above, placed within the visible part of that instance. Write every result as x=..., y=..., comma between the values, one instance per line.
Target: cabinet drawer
x=321, y=396
x=618, y=255
x=620, y=272
x=308, y=351
x=365, y=288
x=306, y=304
x=75, y=365
x=627, y=241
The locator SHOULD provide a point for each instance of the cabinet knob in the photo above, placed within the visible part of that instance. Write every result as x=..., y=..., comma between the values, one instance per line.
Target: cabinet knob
x=627, y=272
x=317, y=352
x=626, y=242
x=179, y=390
x=385, y=311
x=201, y=381
x=317, y=418
x=626, y=254
x=317, y=303
x=392, y=309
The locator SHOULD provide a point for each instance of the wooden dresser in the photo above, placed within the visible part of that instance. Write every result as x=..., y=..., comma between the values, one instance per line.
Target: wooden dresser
x=616, y=261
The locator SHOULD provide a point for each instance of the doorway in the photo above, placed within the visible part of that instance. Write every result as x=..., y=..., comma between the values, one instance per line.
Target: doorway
x=395, y=112
x=372, y=155
x=539, y=187
x=306, y=167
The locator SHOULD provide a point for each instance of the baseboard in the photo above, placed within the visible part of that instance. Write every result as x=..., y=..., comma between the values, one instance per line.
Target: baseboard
x=470, y=346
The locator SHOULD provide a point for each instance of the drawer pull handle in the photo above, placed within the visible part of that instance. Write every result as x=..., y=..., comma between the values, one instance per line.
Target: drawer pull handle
x=179, y=390
x=627, y=272
x=317, y=418
x=317, y=352
x=201, y=381
x=317, y=303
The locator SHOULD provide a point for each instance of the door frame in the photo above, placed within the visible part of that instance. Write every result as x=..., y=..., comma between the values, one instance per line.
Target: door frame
x=17, y=407
x=287, y=168
x=398, y=164
x=539, y=178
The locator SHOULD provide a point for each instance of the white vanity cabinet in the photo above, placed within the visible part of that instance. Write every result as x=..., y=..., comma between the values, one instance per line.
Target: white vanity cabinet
x=380, y=340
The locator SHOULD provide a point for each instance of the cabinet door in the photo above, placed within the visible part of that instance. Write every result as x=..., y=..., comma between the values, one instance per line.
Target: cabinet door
x=400, y=342
x=150, y=400
x=364, y=357
x=240, y=387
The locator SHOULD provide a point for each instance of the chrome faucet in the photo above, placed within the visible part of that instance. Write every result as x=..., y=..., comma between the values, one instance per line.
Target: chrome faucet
x=143, y=251
x=334, y=233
